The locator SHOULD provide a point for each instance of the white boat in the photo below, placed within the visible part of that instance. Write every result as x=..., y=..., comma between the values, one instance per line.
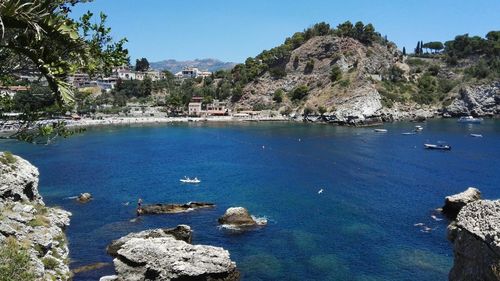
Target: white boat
x=437, y=146
x=381, y=130
x=409, y=133
x=188, y=180
x=470, y=119
x=476, y=135
x=418, y=128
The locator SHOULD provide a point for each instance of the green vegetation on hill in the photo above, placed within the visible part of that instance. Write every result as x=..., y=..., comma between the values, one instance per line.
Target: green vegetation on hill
x=15, y=262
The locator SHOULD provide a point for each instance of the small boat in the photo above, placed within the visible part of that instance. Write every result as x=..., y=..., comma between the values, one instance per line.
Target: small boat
x=381, y=130
x=418, y=128
x=476, y=135
x=188, y=180
x=470, y=119
x=437, y=146
x=409, y=133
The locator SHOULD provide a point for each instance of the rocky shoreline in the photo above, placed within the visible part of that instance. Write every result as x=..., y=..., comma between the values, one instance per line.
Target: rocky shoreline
x=25, y=220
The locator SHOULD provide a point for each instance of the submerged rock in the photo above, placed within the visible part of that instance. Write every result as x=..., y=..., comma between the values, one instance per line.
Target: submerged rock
x=181, y=232
x=142, y=256
x=454, y=203
x=476, y=242
x=240, y=217
x=172, y=208
x=84, y=197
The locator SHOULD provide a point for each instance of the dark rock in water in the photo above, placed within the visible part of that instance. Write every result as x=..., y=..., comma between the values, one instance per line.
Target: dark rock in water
x=181, y=232
x=476, y=242
x=239, y=217
x=142, y=256
x=454, y=203
x=84, y=197
x=172, y=208
x=90, y=267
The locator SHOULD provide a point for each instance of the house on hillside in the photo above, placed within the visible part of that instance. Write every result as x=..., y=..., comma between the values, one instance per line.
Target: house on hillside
x=192, y=72
x=11, y=91
x=194, y=107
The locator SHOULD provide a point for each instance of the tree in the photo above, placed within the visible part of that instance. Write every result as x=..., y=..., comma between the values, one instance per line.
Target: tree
x=141, y=65
x=321, y=110
x=42, y=34
x=435, y=46
x=404, y=51
x=418, y=50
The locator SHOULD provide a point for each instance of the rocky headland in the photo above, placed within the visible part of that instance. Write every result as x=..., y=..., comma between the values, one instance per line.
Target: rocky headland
x=34, y=230
x=155, y=209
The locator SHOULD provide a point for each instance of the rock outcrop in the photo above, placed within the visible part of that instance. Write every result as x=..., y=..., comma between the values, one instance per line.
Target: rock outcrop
x=482, y=100
x=159, y=255
x=181, y=232
x=476, y=242
x=454, y=203
x=84, y=197
x=25, y=218
x=240, y=217
x=172, y=208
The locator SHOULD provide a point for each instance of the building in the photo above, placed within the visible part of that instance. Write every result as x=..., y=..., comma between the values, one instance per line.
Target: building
x=217, y=108
x=192, y=72
x=194, y=107
x=10, y=91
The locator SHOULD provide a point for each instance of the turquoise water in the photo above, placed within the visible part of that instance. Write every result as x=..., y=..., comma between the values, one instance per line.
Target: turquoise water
x=376, y=187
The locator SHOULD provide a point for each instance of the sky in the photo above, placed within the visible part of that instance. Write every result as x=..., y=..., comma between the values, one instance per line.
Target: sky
x=233, y=30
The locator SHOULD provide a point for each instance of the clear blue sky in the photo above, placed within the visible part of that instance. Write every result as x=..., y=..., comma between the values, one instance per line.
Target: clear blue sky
x=232, y=30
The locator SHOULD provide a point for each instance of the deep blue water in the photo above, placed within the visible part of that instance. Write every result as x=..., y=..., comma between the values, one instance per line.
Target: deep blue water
x=376, y=187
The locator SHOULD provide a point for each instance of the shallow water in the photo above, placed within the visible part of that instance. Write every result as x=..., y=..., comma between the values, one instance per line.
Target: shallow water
x=376, y=187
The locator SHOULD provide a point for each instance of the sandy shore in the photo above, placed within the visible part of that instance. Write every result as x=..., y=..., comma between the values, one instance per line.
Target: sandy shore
x=116, y=121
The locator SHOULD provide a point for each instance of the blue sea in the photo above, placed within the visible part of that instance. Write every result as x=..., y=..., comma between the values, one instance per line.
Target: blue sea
x=376, y=187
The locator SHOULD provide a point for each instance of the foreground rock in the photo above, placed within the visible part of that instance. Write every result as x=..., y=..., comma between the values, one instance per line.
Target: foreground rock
x=476, y=242
x=159, y=255
x=239, y=217
x=25, y=220
x=172, y=208
x=454, y=203
x=181, y=232
x=84, y=197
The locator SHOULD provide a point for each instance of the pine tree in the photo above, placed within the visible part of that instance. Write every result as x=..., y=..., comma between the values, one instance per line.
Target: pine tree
x=404, y=51
x=417, y=49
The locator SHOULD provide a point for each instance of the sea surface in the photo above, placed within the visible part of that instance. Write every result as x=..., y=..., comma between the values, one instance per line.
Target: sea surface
x=376, y=187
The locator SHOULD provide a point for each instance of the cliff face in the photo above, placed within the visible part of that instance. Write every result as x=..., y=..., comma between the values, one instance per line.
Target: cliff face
x=476, y=242
x=24, y=217
x=479, y=100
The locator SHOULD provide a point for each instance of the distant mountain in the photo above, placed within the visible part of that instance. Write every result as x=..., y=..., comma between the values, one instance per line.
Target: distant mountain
x=202, y=64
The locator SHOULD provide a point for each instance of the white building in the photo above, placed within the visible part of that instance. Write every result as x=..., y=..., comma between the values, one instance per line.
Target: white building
x=192, y=72
x=194, y=107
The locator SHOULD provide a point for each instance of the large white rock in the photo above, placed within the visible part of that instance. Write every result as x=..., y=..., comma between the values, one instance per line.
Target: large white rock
x=19, y=181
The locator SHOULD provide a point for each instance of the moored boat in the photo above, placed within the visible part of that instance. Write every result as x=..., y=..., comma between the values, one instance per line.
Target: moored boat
x=470, y=119
x=188, y=180
x=476, y=135
x=437, y=146
x=381, y=130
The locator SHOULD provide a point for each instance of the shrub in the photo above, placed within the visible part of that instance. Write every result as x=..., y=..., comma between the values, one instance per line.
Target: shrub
x=335, y=73
x=39, y=220
x=277, y=72
x=308, y=111
x=7, y=158
x=50, y=263
x=299, y=92
x=345, y=83
x=434, y=70
x=15, y=262
x=295, y=62
x=480, y=70
x=278, y=96
x=309, y=66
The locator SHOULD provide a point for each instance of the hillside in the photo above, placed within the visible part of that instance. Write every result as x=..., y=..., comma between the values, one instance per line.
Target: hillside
x=204, y=64
x=350, y=80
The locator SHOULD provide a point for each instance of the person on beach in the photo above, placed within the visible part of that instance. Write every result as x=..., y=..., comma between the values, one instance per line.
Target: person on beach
x=139, y=207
